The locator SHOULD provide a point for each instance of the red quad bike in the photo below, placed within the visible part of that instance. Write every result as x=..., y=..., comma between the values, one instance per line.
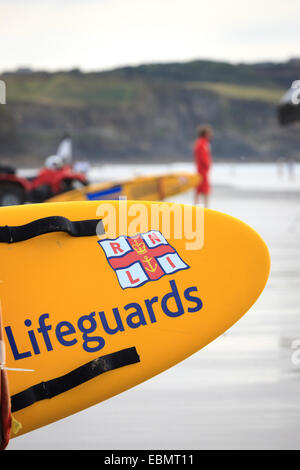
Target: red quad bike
x=49, y=182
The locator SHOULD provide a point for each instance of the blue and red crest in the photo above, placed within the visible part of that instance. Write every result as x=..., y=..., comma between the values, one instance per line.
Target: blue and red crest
x=142, y=258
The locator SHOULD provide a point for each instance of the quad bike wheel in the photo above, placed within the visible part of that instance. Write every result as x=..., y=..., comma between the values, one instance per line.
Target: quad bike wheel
x=11, y=194
x=70, y=184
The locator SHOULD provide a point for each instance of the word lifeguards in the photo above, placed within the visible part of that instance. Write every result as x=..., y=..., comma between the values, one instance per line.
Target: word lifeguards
x=142, y=258
x=94, y=327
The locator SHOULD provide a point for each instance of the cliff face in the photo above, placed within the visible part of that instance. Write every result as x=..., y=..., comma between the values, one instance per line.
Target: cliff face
x=148, y=112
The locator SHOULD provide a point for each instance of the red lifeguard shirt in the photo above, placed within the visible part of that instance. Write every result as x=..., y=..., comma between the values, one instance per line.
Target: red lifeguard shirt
x=203, y=162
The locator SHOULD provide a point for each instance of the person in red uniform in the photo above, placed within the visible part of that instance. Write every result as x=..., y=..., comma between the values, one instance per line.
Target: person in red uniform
x=203, y=162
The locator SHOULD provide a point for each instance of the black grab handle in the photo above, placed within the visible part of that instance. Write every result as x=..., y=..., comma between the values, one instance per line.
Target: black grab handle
x=74, y=378
x=80, y=228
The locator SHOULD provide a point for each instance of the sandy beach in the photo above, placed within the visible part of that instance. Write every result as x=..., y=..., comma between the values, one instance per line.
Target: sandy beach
x=242, y=390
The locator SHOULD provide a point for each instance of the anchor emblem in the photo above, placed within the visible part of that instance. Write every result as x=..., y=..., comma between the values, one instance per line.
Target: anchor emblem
x=151, y=267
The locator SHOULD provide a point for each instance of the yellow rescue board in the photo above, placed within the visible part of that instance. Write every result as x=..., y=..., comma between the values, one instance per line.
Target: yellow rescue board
x=146, y=188
x=139, y=286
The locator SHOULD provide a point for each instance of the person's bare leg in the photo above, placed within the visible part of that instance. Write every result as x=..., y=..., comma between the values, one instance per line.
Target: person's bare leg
x=206, y=200
x=196, y=200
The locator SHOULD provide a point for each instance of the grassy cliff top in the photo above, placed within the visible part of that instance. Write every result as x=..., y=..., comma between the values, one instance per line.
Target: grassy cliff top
x=122, y=87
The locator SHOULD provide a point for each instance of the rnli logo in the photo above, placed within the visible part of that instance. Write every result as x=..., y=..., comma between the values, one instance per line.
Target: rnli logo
x=142, y=258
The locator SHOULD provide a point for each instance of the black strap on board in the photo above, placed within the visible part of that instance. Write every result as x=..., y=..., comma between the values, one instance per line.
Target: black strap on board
x=80, y=228
x=47, y=390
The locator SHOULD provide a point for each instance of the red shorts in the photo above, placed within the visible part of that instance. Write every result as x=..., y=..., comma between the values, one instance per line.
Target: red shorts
x=204, y=186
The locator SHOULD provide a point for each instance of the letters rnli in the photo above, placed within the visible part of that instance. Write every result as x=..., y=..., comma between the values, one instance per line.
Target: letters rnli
x=142, y=258
x=47, y=336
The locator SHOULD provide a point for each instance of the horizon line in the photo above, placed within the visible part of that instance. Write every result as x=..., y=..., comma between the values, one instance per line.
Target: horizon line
x=32, y=69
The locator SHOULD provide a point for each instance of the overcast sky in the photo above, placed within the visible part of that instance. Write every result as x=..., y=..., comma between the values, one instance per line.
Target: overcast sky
x=101, y=34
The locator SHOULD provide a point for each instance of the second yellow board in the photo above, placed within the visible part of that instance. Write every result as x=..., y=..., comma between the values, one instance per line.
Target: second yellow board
x=145, y=188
